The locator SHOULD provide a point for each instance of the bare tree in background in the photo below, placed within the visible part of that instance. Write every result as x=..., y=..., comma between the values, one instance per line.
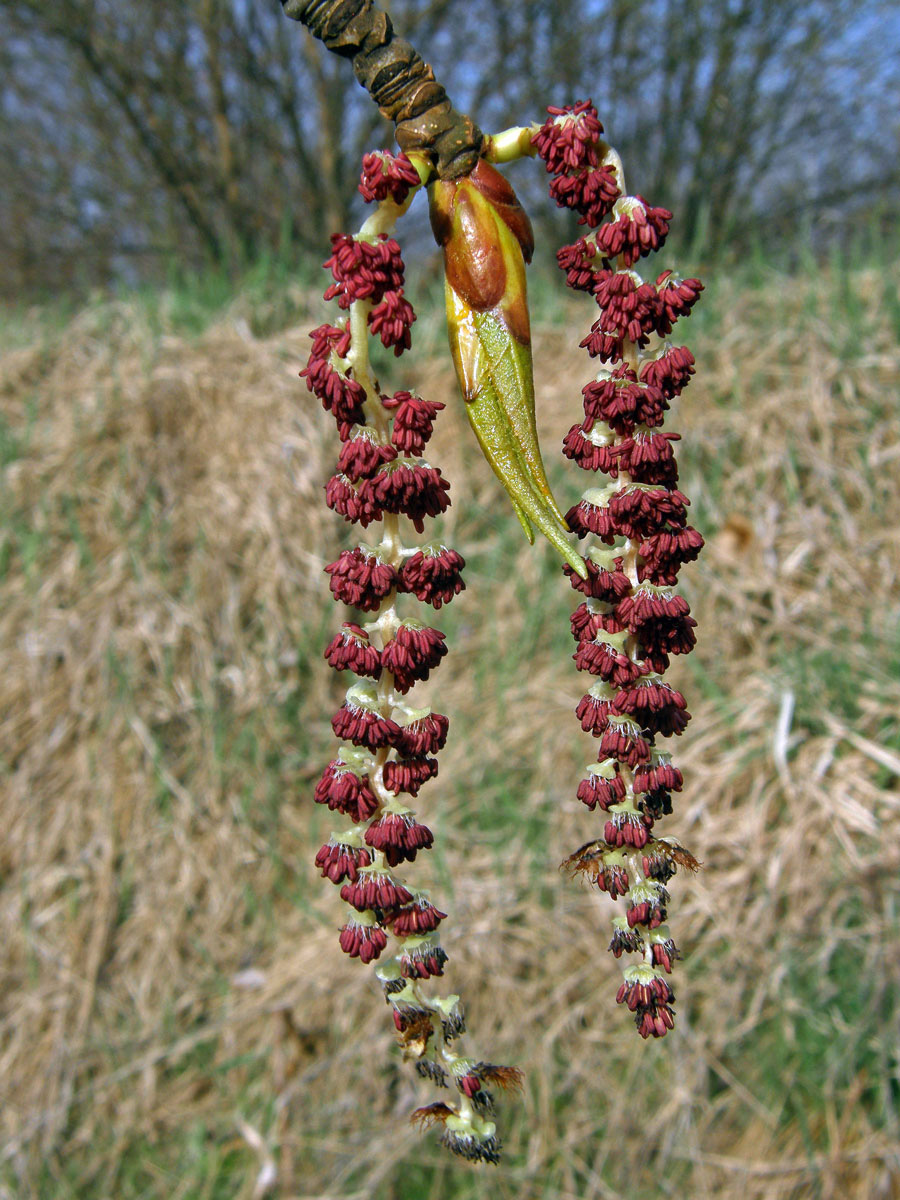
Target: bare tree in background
x=216, y=131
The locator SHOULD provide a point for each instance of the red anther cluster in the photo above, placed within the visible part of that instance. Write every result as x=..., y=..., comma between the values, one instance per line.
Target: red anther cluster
x=338, y=861
x=348, y=499
x=351, y=650
x=344, y=791
x=387, y=176
x=433, y=575
x=626, y=829
x=676, y=299
x=419, y=917
x=413, y=420
x=612, y=879
x=399, y=836
x=625, y=941
x=422, y=961
x=363, y=270
x=375, y=890
x=618, y=399
x=362, y=455
x=627, y=304
x=664, y=954
x=569, y=144
x=632, y=620
x=599, y=657
x=671, y=371
x=364, y=726
x=568, y=138
x=637, y=230
x=578, y=446
x=595, y=790
x=362, y=578
x=600, y=584
x=391, y=319
x=364, y=942
x=405, y=486
x=424, y=735
x=408, y=774
x=650, y=1003
x=650, y=913
x=340, y=393
x=411, y=654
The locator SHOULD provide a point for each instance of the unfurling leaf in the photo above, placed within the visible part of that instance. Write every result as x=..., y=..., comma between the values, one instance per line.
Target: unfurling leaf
x=486, y=238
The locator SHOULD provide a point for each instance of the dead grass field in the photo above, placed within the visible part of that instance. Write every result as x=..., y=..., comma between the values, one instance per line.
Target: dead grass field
x=176, y=1019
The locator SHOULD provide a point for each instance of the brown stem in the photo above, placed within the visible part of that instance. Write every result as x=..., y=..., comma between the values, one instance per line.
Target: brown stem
x=400, y=82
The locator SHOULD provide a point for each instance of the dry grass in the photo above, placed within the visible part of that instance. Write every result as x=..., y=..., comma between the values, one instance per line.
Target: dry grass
x=176, y=1019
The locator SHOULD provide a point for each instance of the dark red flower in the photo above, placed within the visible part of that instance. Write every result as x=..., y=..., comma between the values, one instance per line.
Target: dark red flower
x=375, y=890
x=625, y=940
x=636, y=994
x=657, y=863
x=363, y=454
x=659, y=773
x=432, y=575
x=387, y=175
x=622, y=739
x=363, y=726
x=664, y=553
x=655, y=706
x=617, y=398
x=420, y=917
x=602, y=658
x=602, y=342
x=612, y=879
x=637, y=229
x=601, y=584
x=413, y=488
x=580, y=265
x=568, y=138
x=676, y=299
x=351, y=650
x=413, y=420
x=648, y=907
x=424, y=735
x=648, y=458
x=361, y=579
x=364, y=942
x=341, y=395
x=399, y=836
x=422, y=961
x=656, y=803
x=591, y=450
x=598, y=789
x=408, y=774
x=342, y=495
x=593, y=713
x=627, y=304
x=670, y=371
x=345, y=791
x=338, y=861
x=590, y=517
x=626, y=829
x=392, y=319
x=592, y=193
x=363, y=270
x=412, y=653
x=659, y=619
x=639, y=511
x=664, y=954
x=586, y=623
